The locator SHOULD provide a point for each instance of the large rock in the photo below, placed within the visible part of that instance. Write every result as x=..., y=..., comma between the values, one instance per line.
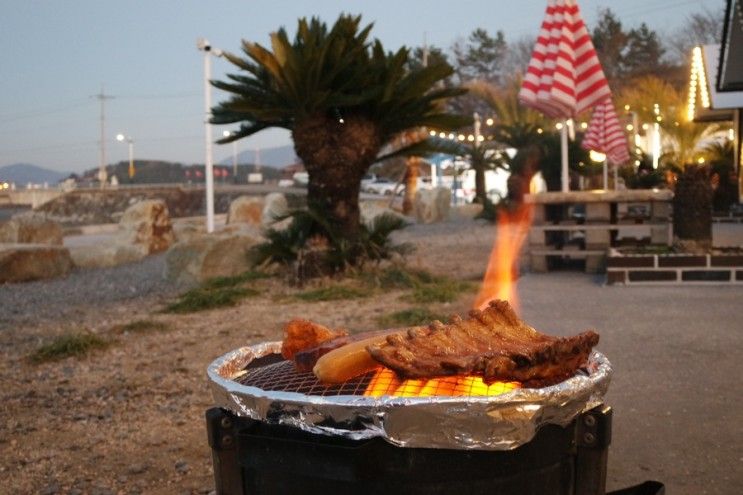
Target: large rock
x=207, y=256
x=432, y=205
x=24, y=262
x=187, y=229
x=106, y=255
x=246, y=209
x=369, y=210
x=29, y=228
x=275, y=207
x=147, y=223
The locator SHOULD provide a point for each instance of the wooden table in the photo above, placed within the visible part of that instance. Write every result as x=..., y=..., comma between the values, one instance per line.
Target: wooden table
x=585, y=224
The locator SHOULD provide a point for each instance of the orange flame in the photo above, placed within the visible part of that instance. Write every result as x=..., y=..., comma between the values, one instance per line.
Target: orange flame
x=502, y=271
x=386, y=382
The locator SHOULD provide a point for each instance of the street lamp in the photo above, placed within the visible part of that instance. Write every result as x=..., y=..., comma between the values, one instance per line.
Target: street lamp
x=121, y=138
x=203, y=45
x=234, y=154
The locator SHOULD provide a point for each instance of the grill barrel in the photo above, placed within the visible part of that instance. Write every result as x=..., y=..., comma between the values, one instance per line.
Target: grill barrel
x=252, y=457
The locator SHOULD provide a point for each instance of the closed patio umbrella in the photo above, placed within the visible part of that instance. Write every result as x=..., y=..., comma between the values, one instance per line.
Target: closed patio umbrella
x=605, y=135
x=564, y=77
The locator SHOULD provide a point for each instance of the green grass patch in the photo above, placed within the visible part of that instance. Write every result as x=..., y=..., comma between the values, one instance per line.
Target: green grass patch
x=332, y=293
x=410, y=317
x=439, y=292
x=397, y=277
x=204, y=298
x=141, y=326
x=72, y=344
x=224, y=282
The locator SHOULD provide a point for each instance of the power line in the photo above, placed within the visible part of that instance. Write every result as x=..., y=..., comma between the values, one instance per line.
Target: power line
x=10, y=117
x=160, y=96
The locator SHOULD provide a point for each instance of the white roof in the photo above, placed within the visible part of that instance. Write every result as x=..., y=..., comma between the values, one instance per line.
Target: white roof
x=725, y=100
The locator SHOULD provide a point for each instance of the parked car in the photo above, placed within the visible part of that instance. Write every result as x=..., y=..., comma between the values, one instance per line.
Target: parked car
x=382, y=186
x=366, y=181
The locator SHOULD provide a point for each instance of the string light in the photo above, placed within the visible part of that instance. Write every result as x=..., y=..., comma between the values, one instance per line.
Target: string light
x=461, y=137
x=432, y=133
x=697, y=79
x=489, y=121
x=442, y=135
x=584, y=125
x=558, y=126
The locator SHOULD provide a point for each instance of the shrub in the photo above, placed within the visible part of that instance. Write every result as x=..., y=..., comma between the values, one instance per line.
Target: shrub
x=314, y=247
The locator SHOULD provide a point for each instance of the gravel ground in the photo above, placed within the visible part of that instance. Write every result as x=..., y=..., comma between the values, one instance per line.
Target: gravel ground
x=58, y=299
x=129, y=419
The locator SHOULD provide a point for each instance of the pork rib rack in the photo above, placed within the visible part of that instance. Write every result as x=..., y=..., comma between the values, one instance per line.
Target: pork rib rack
x=493, y=343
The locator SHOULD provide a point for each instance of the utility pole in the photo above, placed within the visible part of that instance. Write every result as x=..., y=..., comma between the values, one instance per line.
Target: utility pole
x=102, y=97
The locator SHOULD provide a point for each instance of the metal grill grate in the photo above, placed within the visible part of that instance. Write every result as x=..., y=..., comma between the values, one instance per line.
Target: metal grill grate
x=282, y=377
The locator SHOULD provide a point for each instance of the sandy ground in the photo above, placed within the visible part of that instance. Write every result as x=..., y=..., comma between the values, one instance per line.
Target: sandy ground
x=130, y=419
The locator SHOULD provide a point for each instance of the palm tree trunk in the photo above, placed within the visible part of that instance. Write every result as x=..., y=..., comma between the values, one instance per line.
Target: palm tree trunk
x=481, y=194
x=336, y=155
x=412, y=165
x=336, y=200
x=692, y=208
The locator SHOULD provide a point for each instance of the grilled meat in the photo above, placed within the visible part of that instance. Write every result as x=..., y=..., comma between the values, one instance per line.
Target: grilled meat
x=303, y=342
x=493, y=343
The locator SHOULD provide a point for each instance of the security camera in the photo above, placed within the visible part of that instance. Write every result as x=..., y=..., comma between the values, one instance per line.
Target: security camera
x=203, y=44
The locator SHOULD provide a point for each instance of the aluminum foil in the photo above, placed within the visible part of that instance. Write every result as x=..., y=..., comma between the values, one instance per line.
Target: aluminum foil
x=500, y=422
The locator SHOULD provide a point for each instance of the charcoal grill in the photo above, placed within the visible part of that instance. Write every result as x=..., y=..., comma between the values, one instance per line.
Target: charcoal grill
x=280, y=432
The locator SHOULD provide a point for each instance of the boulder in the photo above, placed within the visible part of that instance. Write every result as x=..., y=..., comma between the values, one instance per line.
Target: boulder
x=25, y=262
x=106, y=255
x=246, y=209
x=207, y=256
x=147, y=223
x=30, y=228
x=369, y=210
x=432, y=205
x=275, y=206
x=185, y=229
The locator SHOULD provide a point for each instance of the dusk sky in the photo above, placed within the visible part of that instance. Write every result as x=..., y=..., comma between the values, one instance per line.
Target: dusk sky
x=57, y=54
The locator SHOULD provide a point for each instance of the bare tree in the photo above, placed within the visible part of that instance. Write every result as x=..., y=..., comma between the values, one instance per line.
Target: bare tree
x=702, y=28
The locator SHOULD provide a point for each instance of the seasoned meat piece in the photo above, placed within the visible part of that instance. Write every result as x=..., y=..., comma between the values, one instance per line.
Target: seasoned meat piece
x=493, y=343
x=302, y=334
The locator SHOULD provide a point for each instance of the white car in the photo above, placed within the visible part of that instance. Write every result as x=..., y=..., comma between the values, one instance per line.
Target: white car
x=366, y=180
x=382, y=186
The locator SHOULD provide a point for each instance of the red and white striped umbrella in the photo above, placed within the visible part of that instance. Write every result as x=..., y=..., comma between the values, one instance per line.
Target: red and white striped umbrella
x=605, y=134
x=564, y=77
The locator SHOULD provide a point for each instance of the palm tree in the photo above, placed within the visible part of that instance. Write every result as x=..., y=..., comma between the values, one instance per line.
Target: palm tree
x=343, y=98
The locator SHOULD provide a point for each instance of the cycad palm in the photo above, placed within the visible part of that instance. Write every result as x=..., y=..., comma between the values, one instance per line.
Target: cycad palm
x=342, y=97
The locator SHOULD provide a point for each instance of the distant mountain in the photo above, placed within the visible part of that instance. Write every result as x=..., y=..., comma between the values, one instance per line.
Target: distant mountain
x=278, y=157
x=23, y=173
